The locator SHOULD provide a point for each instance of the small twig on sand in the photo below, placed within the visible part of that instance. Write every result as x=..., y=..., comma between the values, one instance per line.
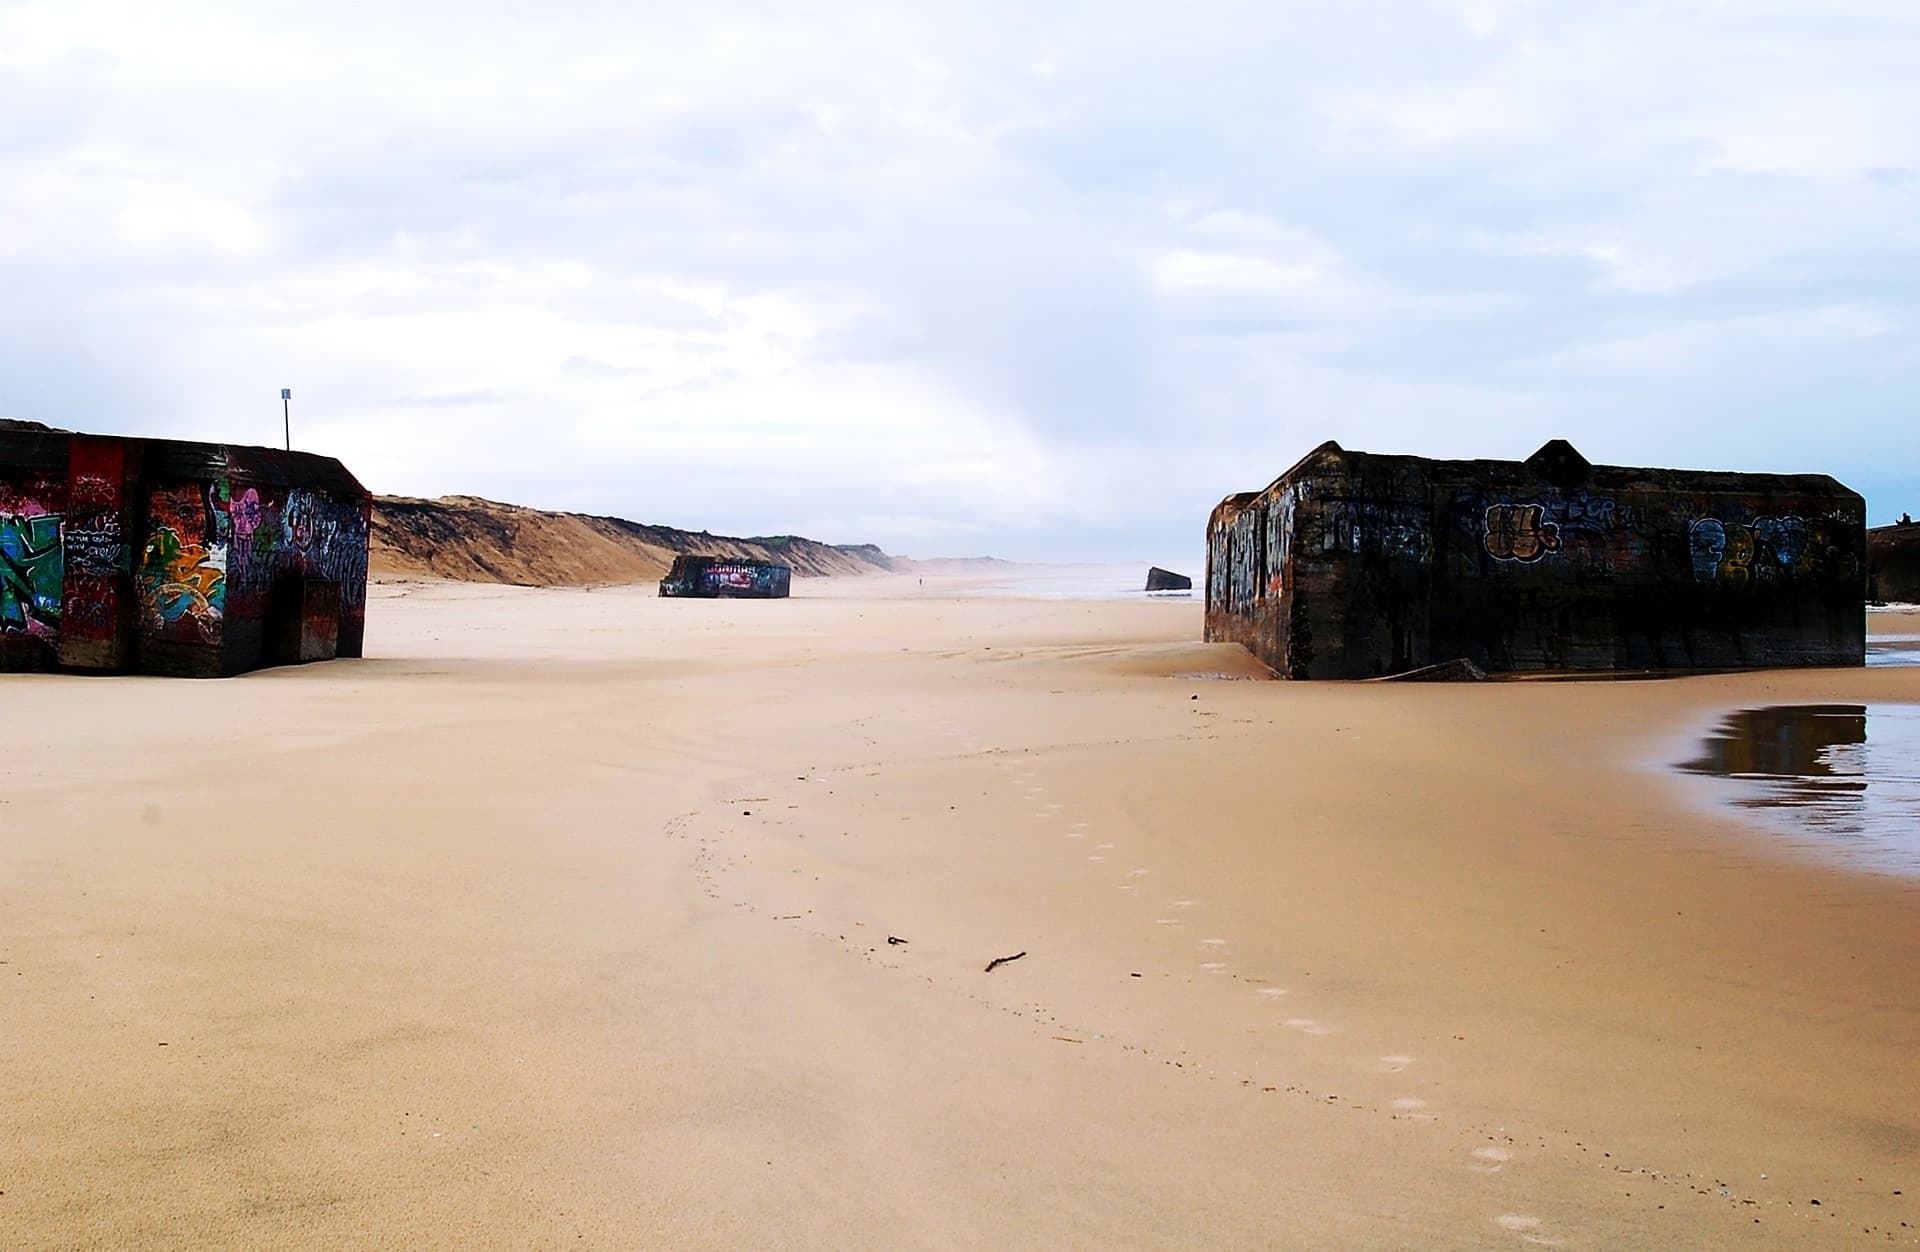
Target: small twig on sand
x=895, y=939
x=998, y=961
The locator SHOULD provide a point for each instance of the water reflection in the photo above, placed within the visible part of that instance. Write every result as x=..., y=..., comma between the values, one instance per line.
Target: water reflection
x=1847, y=774
x=1893, y=649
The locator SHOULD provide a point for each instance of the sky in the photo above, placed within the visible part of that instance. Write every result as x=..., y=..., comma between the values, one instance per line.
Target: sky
x=1037, y=280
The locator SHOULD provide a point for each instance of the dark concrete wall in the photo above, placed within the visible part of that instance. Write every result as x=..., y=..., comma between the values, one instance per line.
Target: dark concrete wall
x=164, y=557
x=717, y=578
x=1893, y=564
x=1353, y=565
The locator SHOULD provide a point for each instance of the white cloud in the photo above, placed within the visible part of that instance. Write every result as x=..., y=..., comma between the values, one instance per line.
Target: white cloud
x=1059, y=274
x=1184, y=267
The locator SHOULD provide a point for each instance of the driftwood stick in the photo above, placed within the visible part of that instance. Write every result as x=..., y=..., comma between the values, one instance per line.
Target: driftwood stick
x=998, y=961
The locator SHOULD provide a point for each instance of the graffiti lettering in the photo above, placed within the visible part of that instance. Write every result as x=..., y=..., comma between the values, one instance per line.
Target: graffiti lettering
x=740, y=577
x=296, y=521
x=1594, y=511
x=1516, y=532
x=1782, y=539
x=90, y=490
x=1734, y=554
x=95, y=544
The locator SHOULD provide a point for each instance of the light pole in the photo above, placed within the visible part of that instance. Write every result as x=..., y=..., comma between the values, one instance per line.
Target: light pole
x=286, y=414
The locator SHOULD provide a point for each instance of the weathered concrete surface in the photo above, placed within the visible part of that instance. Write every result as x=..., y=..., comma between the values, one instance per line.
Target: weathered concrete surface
x=1166, y=580
x=164, y=557
x=1893, y=564
x=711, y=577
x=1355, y=565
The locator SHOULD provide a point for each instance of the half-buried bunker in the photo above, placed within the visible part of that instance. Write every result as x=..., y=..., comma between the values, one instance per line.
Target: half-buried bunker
x=1354, y=565
x=713, y=577
x=161, y=557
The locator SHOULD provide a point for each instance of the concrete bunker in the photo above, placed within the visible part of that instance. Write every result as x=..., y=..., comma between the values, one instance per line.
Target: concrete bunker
x=157, y=556
x=714, y=577
x=1358, y=565
x=1893, y=563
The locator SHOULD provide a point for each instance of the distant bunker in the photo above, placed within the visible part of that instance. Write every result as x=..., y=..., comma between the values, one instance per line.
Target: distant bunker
x=1893, y=563
x=1358, y=565
x=154, y=556
x=1166, y=580
x=713, y=577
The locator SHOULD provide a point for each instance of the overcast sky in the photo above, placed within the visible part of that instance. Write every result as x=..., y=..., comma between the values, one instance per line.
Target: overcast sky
x=1037, y=280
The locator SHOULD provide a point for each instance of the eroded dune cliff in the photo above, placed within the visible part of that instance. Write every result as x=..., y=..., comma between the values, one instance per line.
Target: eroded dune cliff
x=475, y=540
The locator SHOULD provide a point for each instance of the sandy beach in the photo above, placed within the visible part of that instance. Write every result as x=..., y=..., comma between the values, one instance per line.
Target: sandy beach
x=568, y=919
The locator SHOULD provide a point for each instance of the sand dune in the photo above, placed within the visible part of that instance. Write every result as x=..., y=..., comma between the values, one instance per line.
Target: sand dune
x=565, y=919
x=473, y=540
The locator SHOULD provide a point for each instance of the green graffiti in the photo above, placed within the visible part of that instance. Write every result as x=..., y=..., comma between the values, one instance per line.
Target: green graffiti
x=32, y=569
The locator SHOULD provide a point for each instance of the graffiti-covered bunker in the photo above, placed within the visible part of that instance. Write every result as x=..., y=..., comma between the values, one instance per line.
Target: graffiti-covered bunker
x=1354, y=564
x=160, y=557
x=711, y=577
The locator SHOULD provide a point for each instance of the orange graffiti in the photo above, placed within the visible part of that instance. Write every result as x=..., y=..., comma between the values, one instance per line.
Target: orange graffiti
x=1516, y=532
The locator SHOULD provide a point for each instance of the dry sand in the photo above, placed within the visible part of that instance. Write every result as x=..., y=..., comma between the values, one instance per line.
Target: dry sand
x=563, y=921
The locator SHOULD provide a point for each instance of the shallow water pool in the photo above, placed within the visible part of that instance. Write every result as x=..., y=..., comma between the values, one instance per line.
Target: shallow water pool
x=1893, y=649
x=1838, y=779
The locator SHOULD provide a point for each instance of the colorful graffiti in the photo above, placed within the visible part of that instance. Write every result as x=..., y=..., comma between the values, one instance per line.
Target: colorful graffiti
x=32, y=573
x=98, y=556
x=706, y=576
x=330, y=536
x=1593, y=531
x=246, y=515
x=183, y=567
x=289, y=545
x=1519, y=532
x=175, y=558
x=720, y=579
x=181, y=579
x=1733, y=554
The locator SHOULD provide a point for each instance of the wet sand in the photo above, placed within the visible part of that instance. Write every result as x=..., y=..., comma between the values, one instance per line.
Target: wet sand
x=564, y=920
